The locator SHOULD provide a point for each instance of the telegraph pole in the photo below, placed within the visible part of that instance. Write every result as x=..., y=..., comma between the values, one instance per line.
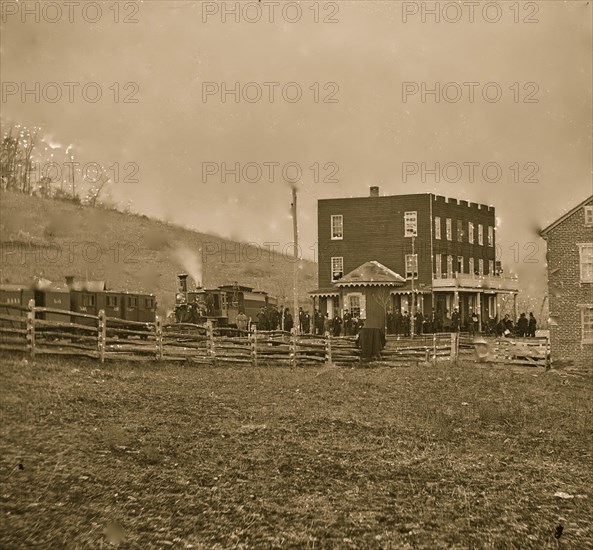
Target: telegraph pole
x=295, y=232
x=412, y=320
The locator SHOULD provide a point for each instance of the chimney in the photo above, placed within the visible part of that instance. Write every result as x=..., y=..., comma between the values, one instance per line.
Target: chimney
x=374, y=191
x=70, y=281
x=182, y=279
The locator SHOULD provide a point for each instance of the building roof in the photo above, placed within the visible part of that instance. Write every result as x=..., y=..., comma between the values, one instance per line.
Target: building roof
x=441, y=198
x=544, y=232
x=371, y=274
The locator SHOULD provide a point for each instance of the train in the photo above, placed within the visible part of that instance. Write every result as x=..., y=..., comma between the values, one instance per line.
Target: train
x=88, y=297
x=220, y=305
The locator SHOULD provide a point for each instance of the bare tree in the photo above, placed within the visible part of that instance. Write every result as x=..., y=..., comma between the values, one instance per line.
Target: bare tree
x=95, y=190
x=9, y=162
x=383, y=298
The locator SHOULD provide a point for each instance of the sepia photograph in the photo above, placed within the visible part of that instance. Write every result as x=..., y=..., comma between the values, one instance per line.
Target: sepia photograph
x=296, y=274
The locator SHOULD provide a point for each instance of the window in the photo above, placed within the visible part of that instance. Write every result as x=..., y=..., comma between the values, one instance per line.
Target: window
x=357, y=305
x=337, y=268
x=437, y=227
x=438, y=265
x=459, y=231
x=88, y=300
x=470, y=232
x=472, y=267
x=410, y=224
x=490, y=267
x=588, y=216
x=337, y=223
x=111, y=301
x=411, y=266
x=490, y=235
x=132, y=301
x=449, y=266
x=149, y=303
x=587, y=324
x=480, y=234
x=586, y=262
x=480, y=267
x=459, y=264
x=448, y=229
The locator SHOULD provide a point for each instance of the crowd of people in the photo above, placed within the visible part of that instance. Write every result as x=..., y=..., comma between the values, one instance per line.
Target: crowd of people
x=525, y=327
x=272, y=318
x=398, y=323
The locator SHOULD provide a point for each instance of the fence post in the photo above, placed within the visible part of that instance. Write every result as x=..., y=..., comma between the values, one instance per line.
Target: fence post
x=293, y=347
x=210, y=342
x=454, y=337
x=159, y=339
x=328, y=350
x=434, y=348
x=31, y=328
x=101, y=335
x=548, y=354
x=253, y=338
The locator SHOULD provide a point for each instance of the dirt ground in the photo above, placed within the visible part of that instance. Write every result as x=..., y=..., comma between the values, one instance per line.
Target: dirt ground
x=178, y=456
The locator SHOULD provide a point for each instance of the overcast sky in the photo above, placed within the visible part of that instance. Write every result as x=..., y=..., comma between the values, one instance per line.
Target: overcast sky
x=369, y=52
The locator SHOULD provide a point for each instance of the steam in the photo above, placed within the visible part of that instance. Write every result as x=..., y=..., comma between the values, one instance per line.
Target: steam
x=189, y=261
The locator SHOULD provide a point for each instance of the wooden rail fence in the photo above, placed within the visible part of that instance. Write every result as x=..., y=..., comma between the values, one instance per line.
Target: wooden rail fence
x=42, y=331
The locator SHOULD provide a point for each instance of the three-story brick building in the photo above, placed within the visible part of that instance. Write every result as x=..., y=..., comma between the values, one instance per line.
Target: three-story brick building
x=445, y=249
x=570, y=285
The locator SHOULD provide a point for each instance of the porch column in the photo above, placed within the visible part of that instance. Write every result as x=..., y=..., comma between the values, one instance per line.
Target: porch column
x=497, y=306
x=515, y=310
x=330, y=306
x=479, y=300
x=455, y=299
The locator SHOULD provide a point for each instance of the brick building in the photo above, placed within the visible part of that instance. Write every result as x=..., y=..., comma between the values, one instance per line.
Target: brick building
x=570, y=284
x=443, y=248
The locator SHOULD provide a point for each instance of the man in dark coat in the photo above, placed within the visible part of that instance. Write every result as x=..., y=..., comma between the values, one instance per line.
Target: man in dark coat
x=288, y=321
x=474, y=321
x=419, y=326
x=273, y=318
x=301, y=319
x=315, y=321
x=320, y=320
x=455, y=320
x=262, y=320
x=522, y=325
x=347, y=323
x=337, y=325
x=532, y=325
x=406, y=324
x=306, y=322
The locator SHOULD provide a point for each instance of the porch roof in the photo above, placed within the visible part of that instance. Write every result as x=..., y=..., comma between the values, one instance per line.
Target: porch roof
x=371, y=273
x=325, y=292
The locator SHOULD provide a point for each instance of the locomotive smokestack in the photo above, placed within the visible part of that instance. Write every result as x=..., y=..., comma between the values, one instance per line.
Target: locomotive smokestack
x=182, y=282
x=70, y=281
x=374, y=191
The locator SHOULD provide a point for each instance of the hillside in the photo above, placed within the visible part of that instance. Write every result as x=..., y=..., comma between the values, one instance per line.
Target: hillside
x=52, y=239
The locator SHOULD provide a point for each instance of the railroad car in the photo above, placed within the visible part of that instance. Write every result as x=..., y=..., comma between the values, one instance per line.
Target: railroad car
x=85, y=298
x=16, y=295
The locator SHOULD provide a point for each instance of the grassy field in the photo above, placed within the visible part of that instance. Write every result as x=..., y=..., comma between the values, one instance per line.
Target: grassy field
x=178, y=456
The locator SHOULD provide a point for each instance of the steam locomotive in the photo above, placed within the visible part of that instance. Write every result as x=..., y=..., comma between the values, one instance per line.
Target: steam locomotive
x=221, y=305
